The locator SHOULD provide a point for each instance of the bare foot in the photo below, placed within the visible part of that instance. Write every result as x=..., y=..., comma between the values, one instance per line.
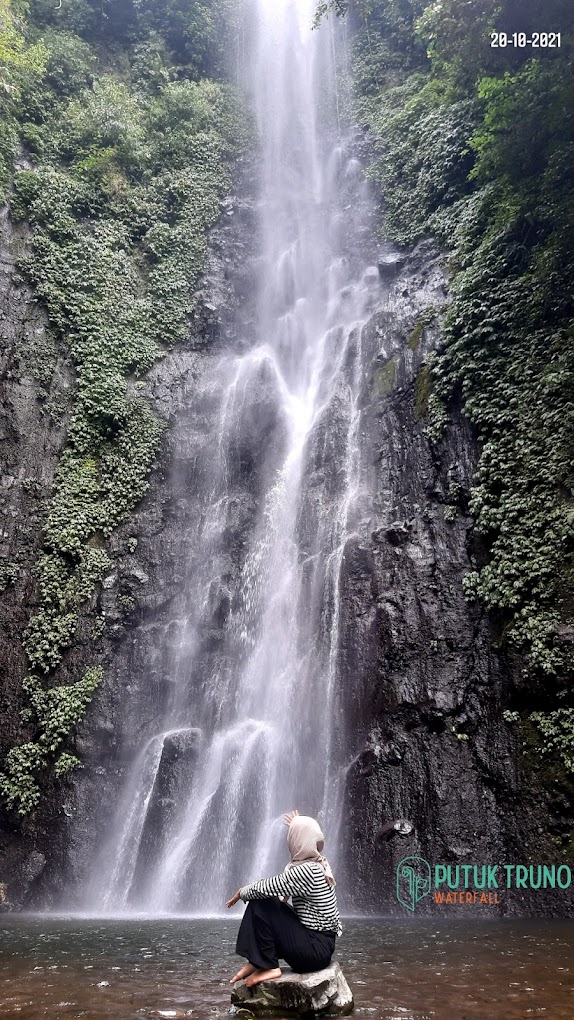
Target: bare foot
x=247, y=969
x=263, y=975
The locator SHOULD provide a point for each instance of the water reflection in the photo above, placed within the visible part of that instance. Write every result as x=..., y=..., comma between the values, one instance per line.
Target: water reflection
x=427, y=970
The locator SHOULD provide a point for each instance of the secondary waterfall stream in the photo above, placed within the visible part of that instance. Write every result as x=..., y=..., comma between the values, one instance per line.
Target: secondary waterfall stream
x=263, y=733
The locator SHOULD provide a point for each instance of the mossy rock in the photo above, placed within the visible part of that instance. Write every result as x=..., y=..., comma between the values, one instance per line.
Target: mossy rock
x=415, y=337
x=423, y=390
x=385, y=376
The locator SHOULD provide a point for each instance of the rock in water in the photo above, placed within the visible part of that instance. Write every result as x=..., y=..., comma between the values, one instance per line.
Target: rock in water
x=321, y=992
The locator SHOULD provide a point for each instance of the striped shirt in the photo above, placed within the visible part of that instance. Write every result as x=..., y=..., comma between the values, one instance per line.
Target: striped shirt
x=314, y=900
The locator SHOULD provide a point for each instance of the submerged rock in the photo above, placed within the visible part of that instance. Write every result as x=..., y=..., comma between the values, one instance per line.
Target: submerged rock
x=321, y=992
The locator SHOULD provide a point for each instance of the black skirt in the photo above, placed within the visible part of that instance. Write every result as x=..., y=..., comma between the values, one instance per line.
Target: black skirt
x=271, y=931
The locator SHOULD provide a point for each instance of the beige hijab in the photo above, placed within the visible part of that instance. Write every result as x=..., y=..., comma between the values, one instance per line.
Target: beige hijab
x=302, y=837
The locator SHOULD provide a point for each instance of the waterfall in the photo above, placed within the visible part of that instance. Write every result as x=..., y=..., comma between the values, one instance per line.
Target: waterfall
x=255, y=728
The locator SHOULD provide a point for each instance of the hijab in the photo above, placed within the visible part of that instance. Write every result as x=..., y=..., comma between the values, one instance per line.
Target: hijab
x=303, y=835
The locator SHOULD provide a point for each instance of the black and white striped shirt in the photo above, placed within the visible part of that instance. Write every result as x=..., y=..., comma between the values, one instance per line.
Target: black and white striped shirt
x=314, y=900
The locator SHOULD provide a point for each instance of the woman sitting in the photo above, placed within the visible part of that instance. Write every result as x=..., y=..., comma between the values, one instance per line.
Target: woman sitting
x=304, y=935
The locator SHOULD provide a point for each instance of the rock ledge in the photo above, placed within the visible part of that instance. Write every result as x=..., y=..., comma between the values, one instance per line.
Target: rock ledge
x=321, y=992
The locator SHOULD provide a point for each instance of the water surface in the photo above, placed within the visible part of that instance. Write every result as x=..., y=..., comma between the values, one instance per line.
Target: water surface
x=398, y=970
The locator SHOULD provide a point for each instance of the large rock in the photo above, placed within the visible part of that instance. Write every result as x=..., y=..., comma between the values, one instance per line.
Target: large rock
x=321, y=992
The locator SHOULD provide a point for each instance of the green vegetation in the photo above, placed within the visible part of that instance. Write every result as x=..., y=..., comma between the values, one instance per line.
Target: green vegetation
x=19, y=60
x=384, y=377
x=476, y=148
x=8, y=575
x=557, y=729
x=423, y=387
x=130, y=147
x=57, y=710
x=480, y=154
x=415, y=337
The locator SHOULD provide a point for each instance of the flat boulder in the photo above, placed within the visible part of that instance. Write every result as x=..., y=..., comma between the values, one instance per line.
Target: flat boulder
x=390, y=264
x=323, y=992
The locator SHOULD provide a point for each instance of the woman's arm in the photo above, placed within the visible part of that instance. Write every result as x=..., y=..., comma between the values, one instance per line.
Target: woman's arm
x=294, y=881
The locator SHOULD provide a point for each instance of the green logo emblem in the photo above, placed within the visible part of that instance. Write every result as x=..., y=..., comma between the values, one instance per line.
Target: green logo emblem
x=413, y=881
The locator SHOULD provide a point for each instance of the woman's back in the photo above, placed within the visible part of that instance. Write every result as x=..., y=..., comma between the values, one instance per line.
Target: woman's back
x=317, y=904
x=314, y=899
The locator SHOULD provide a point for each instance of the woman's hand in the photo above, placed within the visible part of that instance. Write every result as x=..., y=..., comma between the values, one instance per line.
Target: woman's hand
x=234, y=899
x=288, y=818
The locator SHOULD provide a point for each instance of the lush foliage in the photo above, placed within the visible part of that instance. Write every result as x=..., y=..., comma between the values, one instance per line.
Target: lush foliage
x=55, y=711
x=128, y=170
x=557, y=730
x=476, y=147
x=19, y=61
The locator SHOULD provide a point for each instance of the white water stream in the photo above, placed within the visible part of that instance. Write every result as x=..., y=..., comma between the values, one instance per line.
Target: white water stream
x=268, y=722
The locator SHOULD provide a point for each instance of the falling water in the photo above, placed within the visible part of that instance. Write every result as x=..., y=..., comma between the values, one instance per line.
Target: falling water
x=263, y=732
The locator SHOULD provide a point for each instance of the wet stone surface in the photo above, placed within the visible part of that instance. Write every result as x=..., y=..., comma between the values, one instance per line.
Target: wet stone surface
x=321, y=992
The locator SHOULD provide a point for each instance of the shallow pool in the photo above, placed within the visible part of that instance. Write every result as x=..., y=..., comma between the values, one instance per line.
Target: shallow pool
x=398, y=970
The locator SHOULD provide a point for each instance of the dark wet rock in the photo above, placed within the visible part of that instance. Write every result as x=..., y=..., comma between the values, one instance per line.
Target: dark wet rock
x=400, y=827
x=390, y=264
x=33, y=420
x=397, y=534
x=180, y=745
x=5, y=905
x=415, y=655
x=34, y=866
x=460, y=851
x=321, y=992
x=179, y=757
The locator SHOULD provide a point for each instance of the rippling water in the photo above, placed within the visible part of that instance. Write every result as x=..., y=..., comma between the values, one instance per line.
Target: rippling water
x=398, y=970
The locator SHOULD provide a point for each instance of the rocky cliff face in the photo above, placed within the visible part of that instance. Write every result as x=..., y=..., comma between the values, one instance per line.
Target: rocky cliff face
x=423, y=685
x=35, y=379
x=421, y=689
x=44, y=858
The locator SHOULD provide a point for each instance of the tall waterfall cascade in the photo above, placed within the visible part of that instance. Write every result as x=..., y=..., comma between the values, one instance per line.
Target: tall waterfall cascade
x=262, y=732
